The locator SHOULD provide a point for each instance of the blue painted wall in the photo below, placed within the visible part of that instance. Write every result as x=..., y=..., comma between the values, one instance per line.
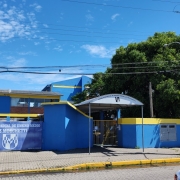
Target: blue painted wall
x=65, y=128
x=5, y=104
x=151, y=135
x=85, y=80
x=69, y=92
x=127, y=136
x=53, y=137
x=130, y=136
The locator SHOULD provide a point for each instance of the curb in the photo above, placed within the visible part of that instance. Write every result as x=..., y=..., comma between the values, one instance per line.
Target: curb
x=95, y=165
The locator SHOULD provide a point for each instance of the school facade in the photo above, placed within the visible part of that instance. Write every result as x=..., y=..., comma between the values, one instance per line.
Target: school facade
x=47, y=120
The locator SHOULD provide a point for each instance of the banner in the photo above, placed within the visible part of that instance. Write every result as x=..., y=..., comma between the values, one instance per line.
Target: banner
x=24, y=135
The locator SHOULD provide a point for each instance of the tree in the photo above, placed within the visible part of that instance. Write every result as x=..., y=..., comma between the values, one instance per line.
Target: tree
x=141, y=63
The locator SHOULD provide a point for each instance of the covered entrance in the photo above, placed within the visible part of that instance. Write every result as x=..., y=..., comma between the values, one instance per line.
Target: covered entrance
x=105, y=130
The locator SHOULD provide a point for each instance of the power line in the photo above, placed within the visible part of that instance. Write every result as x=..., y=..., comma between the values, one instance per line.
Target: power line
x=63, y=40
x=167, y=1
x=80, y=31
x=85, y=27
x=116, y=6
x=92, y=32
x=84, y=65
x=124, y=66
x=83, y=35
x=124, y=73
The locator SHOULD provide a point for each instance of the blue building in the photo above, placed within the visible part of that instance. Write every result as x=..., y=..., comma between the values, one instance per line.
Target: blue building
x=25, y=102
x=69, y=88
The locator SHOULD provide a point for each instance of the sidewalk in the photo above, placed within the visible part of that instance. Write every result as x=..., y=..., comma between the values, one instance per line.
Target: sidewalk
x=17, y=160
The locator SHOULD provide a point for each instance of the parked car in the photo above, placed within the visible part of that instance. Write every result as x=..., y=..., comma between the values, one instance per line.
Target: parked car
x=177, y=175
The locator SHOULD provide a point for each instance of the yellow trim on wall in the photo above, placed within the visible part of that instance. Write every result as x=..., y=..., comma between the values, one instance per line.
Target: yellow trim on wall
x=68, y=103
x=19, y=115
x=63, y=86
x=33, y=96
x=148, y=121
x=107, y=120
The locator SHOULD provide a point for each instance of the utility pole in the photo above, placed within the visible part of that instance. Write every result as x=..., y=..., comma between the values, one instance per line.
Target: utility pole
x=150, y=99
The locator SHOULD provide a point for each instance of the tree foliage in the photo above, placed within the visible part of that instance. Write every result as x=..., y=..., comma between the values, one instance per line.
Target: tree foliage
x=141, y=63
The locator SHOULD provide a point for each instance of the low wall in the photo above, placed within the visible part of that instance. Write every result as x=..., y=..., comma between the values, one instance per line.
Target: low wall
x=133, y=132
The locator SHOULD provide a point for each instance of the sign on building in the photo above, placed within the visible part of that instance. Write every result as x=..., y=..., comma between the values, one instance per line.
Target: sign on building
x=16, y=135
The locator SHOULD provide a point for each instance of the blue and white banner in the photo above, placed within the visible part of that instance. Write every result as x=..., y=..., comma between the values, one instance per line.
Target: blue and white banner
x=15, y=135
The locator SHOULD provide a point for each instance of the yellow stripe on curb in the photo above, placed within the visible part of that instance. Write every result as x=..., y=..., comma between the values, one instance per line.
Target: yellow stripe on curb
x=96, y=165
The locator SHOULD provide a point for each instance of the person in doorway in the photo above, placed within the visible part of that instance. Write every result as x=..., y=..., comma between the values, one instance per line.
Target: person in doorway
x=177, y=175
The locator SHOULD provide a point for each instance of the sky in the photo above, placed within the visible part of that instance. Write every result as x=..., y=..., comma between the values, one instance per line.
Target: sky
x=73, y=37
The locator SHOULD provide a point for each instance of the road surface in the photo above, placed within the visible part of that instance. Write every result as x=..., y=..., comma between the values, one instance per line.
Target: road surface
x=148, y=173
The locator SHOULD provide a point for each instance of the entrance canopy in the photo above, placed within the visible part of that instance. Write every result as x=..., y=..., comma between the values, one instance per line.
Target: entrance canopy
x=108, y=102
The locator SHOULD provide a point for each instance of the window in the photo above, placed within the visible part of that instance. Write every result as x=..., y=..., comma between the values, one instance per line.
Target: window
x=168, y=132
x=31, y=102
x=22, y=102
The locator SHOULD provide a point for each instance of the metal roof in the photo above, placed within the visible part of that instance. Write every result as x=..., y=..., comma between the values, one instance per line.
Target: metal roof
x=108, y=102
x=22, y=92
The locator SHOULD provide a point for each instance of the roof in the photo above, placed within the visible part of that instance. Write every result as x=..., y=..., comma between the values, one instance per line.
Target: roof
x=33, y=94
x=108, y=102
x=73, y=82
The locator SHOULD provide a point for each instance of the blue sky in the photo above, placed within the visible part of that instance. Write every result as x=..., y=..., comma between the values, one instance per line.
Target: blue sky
x=74, y=33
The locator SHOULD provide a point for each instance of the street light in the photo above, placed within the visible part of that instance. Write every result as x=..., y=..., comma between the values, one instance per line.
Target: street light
x=165, y=45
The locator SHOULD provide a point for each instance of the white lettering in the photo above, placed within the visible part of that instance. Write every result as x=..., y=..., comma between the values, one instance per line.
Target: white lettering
x=13, y=131
x=34, y=125
x=22, y=125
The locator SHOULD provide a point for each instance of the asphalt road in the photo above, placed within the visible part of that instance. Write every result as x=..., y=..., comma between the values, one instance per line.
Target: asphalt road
x=148, y=173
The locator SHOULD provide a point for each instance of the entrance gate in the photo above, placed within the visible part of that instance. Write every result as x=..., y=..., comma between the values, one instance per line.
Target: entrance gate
x=105, y=132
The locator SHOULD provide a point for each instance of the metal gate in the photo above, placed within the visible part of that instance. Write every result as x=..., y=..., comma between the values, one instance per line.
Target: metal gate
x=105, y=132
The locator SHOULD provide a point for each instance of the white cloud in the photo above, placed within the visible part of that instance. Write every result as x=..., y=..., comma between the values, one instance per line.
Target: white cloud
x=58, y=48
x=131, y=23
x=30, y=81
x=114, y=16
x=45, y=25
x=32, y=18
x=11, y=24
x=36, y=7
x=99, y=50
x=4, y=5
x=89, y=17
x=36, y=43
x=27, y=53
x=16, y=62
x=12, y=62
x=38, y=80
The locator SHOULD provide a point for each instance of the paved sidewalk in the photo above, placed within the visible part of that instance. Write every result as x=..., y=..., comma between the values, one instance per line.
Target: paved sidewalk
x=17, y=160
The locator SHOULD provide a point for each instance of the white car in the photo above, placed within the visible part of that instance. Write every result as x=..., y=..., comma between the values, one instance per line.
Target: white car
x=177, y=175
